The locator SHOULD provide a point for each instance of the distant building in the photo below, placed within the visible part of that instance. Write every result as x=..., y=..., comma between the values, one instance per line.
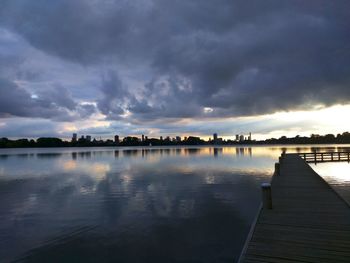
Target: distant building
x=250, y=136
x=237, y=137
x=241, y=138
x=75, y=137
x=216, y=140
x=116, y=139
x=178, y=139
x=143, y=138
x=146, y=138
x=161, y=138
x=88, y=138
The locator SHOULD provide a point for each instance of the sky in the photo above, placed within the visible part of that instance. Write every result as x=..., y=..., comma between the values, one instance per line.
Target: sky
x=172, y=67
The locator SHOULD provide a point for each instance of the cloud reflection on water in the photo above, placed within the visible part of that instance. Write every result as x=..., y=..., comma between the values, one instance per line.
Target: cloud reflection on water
x=185, y=203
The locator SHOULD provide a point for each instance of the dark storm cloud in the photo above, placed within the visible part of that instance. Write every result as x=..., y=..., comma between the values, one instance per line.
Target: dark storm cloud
x=86, y=110
x=24, y=127
x=236, y=57
x=23, y=94
x=169, y=97
x=79, y=30
x=55, y=103
x=114, y=95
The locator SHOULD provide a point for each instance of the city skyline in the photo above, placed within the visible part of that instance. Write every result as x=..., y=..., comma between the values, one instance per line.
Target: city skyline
x=173, y=68
x=142, y=137
x=144, y=140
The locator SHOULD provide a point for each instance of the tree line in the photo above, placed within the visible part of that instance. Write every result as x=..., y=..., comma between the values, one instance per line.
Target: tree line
x=343, y=138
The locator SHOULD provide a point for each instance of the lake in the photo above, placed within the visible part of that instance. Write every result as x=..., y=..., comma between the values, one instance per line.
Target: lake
x=153, y=204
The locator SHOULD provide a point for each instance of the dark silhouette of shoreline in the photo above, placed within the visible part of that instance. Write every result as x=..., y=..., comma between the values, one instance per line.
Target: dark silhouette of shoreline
x=343, y=138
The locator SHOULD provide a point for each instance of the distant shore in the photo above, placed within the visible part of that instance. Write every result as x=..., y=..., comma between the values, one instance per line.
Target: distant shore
x=129, y=141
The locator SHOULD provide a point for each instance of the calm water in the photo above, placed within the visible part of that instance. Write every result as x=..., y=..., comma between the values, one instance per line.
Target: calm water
x=172, y=204
x=337, y=175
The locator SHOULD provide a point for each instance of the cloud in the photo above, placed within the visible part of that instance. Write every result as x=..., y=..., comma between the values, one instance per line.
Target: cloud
x=55, y=104
x=114, y=96
x=24, y=91
x=16, y=101
x=157, y=61
x=23, y=127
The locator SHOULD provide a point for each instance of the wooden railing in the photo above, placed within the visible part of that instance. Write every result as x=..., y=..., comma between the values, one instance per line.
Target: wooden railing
x=319, y=157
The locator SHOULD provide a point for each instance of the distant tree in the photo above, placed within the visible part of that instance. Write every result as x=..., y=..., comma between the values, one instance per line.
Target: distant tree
x=130, y=141
x=3, y=142
x=49, y=142
x=191, y=140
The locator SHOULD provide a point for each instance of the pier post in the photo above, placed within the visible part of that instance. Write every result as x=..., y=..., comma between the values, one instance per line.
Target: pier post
x=266, y=195
x=280, y=159
x=277, y=168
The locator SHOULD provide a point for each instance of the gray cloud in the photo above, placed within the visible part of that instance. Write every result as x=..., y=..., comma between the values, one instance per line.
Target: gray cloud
x=23, y=93
x=55, y=103
x=23, y=127
x=235, y=57
x=16, y=101
x=114, y=96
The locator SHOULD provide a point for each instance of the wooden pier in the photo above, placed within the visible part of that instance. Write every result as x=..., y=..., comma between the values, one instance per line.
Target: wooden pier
x=308, y=222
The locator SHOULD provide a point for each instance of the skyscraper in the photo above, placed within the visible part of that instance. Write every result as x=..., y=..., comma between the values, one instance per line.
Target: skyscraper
x=215, y=137
x=75, y=137
x=116, y=139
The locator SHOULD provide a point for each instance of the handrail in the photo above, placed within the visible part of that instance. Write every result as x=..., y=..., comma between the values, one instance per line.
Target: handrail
x=316, y=157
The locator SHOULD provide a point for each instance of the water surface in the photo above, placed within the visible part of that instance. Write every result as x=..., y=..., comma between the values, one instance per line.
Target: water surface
x=167, y=204
x=337, y=174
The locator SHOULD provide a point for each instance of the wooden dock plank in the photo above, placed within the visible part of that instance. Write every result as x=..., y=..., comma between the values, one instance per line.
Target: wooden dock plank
x=309, y=221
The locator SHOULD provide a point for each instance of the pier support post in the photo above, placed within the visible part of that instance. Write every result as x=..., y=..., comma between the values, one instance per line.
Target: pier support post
x=277, y=168
x=280, y=159
x=266, y=195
